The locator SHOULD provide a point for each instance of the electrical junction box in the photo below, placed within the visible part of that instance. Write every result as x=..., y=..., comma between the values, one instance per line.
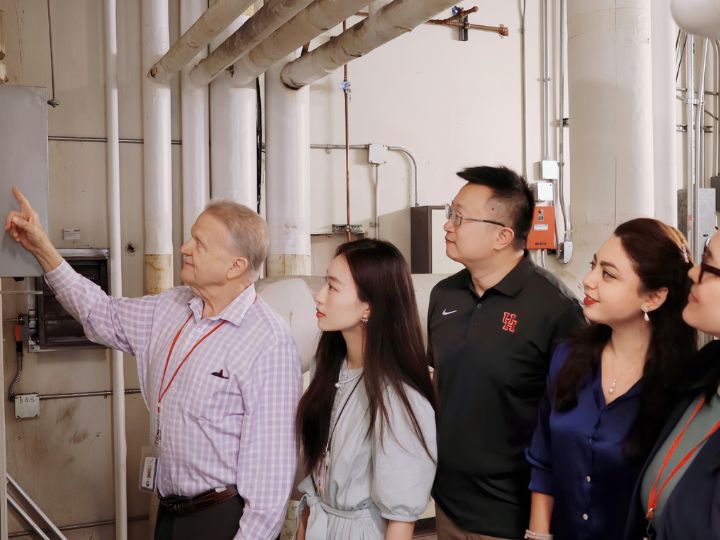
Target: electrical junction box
x=27, y=406
x=24, y=163
x=377, y=153
x=542, y=231
x=707, y=218
x=55, y=327
x=548, y=169
x=543, y=191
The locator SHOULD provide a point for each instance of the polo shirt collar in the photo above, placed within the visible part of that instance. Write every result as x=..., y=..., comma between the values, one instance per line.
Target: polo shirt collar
x=233, y=313
x=514, y=281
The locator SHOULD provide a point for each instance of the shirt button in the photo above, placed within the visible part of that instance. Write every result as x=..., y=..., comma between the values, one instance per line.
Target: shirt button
x=585, y=517
x=588, y=479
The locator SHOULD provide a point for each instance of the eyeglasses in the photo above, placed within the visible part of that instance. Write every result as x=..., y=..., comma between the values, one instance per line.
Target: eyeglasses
x=704, y=267
x=452, y=215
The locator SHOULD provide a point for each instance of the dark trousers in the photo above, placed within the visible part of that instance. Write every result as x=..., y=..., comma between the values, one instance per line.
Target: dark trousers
x=219, y=522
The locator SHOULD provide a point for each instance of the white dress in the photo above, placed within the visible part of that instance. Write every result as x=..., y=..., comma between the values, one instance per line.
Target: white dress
x=371, y=480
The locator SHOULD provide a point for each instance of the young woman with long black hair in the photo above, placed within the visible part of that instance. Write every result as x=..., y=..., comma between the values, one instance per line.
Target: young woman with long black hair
x=367, y=421
x=611, y=387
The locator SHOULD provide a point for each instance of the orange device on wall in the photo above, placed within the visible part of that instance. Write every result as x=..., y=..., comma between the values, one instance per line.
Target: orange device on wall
x=542, y=231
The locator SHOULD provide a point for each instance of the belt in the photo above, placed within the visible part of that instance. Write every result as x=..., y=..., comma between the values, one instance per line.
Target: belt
x=187, y=505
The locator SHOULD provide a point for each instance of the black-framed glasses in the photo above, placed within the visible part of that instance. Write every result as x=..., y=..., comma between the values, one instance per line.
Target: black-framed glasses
x=705, y=267
x=452, y=215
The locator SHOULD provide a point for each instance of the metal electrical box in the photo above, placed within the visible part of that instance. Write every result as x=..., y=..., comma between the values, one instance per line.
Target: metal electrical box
x=418, y=234
x=707, y=218
x=54, y=327
x=23, y=163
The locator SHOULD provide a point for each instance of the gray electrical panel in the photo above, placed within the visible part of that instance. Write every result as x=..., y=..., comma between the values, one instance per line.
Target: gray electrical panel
x=707, y=218
x=23, y=163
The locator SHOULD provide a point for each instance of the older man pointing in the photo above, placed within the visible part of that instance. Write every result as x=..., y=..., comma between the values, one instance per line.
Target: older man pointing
x=218, y=371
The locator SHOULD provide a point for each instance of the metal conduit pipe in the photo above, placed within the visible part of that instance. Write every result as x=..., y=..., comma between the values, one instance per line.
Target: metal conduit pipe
x=98, y=393
x=78, y=526
x=400, y=149
x=269, y=18
x=561, y=129
x=393, y=20
x=112, y=125
x=318, y=17
x=67, y=138
x=716, y=131
x=692, y=186
x=213, y=21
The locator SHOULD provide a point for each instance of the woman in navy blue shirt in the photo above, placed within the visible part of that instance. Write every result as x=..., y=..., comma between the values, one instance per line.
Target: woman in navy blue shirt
x=610, y=387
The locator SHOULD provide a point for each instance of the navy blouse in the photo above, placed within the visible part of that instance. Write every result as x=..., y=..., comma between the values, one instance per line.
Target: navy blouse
x=577, y=457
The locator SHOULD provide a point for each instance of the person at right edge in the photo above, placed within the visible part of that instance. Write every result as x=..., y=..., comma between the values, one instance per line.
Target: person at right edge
x=677, y=496
x=492, y=330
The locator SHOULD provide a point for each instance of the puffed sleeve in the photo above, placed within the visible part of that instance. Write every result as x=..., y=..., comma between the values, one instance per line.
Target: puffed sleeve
x=539, y=454
x=403, y=472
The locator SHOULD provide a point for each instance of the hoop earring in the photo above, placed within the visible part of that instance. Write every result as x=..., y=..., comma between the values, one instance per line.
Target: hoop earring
x=646, y=316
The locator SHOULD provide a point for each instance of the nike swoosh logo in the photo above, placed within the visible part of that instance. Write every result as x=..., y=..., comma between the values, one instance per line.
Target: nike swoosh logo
x=446, y=312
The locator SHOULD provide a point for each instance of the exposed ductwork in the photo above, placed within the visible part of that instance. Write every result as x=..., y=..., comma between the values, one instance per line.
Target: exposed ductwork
x=700, y=17
x=208, y=26
x=268, y=19
x=319, y=17
x=392, y=21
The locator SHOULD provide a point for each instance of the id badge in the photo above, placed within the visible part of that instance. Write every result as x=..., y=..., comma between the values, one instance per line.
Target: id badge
x=148, y=469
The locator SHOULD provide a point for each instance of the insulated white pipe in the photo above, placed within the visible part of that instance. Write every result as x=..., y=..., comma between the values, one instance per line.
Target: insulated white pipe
x=195, y=129
x=610, y=91
x=319, y=17
x=664, y=33
x=268, y=19
x=112, y=161
x=393, y=20
x=233, y=148
x=196, y=38
x=157, y=163
x=700, y=17
x=287, y=165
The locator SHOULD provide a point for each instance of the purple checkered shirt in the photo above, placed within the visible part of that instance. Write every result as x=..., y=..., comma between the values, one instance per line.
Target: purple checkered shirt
x=228, y=418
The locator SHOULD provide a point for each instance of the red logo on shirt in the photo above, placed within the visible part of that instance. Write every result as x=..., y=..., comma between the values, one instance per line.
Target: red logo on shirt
x=509, y=322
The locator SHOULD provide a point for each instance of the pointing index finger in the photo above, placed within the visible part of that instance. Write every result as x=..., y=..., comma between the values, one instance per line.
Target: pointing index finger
x=24, y=203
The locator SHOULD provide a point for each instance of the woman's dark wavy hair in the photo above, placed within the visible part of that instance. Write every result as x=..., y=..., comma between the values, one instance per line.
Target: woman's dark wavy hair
x=660, y=257
x=393, y=354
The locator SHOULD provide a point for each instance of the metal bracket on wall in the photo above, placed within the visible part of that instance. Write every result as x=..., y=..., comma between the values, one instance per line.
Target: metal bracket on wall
x=342, y=229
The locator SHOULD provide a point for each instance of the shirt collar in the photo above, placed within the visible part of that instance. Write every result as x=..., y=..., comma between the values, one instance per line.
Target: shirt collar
x=514, y=281
x=233, y=313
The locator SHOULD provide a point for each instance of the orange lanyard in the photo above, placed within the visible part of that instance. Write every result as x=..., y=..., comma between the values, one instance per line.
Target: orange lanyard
x=162, y=392
x=654, y=491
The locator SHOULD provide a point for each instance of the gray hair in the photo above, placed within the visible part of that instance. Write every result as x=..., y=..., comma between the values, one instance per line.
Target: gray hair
x=248, y=232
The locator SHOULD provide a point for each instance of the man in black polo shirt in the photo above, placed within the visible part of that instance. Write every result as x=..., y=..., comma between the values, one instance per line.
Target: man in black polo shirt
x=492, y=328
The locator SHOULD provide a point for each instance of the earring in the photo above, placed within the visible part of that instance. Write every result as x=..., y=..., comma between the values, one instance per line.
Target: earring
x=646, y=316
x=364, y=320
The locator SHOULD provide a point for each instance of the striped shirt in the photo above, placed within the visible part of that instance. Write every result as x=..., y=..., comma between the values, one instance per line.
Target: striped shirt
x=228, y=417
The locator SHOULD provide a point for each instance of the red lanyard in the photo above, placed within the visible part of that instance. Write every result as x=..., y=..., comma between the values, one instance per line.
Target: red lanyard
x=654, y=491
x=161, y=392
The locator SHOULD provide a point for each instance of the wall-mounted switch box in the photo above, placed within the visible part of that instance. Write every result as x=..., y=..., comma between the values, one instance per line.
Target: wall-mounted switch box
x=27, y=406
